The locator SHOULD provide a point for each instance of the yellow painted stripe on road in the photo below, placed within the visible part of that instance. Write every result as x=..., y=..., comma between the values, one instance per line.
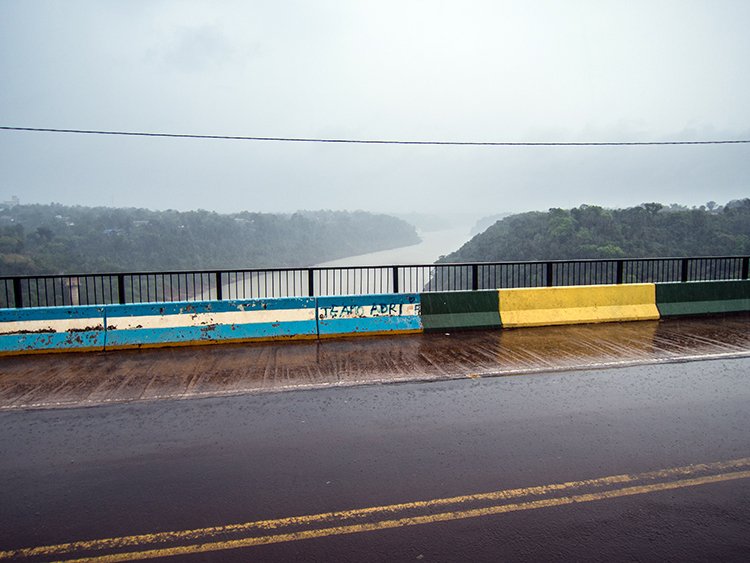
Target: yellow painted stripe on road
x=413, y=521
x=264, y=525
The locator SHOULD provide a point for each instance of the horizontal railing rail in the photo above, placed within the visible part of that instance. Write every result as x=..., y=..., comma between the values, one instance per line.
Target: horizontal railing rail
x=148, y=287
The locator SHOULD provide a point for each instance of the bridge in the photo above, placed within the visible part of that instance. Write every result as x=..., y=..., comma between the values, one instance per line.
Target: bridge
x=564, y=441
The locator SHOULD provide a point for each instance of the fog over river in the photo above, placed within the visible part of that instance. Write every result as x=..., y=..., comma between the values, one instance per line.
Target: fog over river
x=434, y=245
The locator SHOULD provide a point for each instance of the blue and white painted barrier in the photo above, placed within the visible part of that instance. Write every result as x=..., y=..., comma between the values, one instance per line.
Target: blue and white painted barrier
x=196, y=322
x=139, y=325
x=354, y=314
x=52, y=328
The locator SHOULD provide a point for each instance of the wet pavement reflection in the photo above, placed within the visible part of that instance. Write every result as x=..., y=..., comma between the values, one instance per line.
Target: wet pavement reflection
x=78, y=379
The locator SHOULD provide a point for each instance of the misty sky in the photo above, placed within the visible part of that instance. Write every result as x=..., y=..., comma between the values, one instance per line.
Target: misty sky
x=465, y=70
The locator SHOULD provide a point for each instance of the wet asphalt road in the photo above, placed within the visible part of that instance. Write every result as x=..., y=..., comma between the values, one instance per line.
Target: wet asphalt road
x=88, y=378
x=125, y=469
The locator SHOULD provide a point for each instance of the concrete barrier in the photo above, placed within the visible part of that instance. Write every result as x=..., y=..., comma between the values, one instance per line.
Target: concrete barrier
x=207, y=322
x=577, y=304
x=369, y=314
x=47, y=329
x=455, y=310
x=702, y=298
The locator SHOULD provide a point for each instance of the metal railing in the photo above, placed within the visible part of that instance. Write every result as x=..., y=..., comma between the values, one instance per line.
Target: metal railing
x=123, y=288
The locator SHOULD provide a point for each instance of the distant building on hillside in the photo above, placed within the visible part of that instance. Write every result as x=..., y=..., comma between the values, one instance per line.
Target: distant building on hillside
x=11, y=203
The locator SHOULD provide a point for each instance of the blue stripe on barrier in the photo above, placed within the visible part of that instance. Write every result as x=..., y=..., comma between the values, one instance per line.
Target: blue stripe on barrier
x=51, y=313
x=208, y=333
x=14, y=343
x=369, y=313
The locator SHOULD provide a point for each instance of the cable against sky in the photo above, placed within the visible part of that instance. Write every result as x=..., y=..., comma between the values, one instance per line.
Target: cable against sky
x=378, y=141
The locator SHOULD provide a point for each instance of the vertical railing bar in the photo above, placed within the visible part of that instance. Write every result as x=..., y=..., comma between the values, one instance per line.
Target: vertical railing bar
x=310, y=283
x=219, y=289
x=17, y=293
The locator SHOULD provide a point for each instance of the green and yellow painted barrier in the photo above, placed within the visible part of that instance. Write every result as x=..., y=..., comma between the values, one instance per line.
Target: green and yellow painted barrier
x=455, y=310
x=703, y=298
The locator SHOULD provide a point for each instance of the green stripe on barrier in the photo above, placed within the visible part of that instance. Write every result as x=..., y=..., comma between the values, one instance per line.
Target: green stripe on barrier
x=460, y=310
x=702, y=298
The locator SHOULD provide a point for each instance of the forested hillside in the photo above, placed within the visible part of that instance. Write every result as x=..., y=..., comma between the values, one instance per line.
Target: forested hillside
x=61, y=239
x=588, y=231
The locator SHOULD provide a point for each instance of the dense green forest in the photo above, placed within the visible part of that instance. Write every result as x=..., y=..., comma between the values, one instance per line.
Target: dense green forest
x=589, y=231
x=61, y=239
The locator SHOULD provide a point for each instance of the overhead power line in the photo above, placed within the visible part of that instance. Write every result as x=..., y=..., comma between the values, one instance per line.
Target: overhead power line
x=380, y=141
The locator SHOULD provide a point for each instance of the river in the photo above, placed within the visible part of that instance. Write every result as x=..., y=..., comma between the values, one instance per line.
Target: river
x=434, y=245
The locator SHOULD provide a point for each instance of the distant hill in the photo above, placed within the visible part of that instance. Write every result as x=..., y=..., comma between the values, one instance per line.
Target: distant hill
x=482, y=224
x=63, y=239
x=589, y=231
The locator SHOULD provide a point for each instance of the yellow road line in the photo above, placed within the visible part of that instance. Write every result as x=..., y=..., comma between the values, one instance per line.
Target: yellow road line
x=413, y=521
x=330, y=517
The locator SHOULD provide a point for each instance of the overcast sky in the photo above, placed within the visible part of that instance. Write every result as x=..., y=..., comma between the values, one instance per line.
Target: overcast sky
x=464, y=70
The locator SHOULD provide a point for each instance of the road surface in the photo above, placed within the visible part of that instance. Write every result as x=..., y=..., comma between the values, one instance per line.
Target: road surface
x=644, y=462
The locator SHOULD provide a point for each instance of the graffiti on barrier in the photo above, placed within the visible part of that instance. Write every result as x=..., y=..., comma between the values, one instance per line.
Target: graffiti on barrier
x=367, y=311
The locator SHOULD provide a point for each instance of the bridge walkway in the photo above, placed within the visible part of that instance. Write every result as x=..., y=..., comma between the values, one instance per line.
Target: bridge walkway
x=87, y=379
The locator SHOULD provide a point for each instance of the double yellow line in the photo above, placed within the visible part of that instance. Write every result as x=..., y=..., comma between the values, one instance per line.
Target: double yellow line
x=249, y=534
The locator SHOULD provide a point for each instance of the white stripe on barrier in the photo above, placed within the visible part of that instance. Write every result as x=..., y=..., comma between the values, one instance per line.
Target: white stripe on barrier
x=51, y=325
x=205, y=319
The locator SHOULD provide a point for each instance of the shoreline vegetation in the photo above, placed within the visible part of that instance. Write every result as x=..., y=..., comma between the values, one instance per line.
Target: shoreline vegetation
x=54, y=238
x=589, y=231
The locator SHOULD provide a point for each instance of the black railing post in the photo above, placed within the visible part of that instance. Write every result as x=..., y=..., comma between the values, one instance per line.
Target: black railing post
x=620, y=268
x=684, y=273
x=17, y=293
x=121, y=288
x=219, y=292
x=475, y=277
x=549, y=274
x=395, y=279
x=310, y=283
x=746, y=267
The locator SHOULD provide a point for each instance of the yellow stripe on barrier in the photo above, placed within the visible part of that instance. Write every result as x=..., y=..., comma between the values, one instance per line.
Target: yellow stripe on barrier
x=577, y=304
